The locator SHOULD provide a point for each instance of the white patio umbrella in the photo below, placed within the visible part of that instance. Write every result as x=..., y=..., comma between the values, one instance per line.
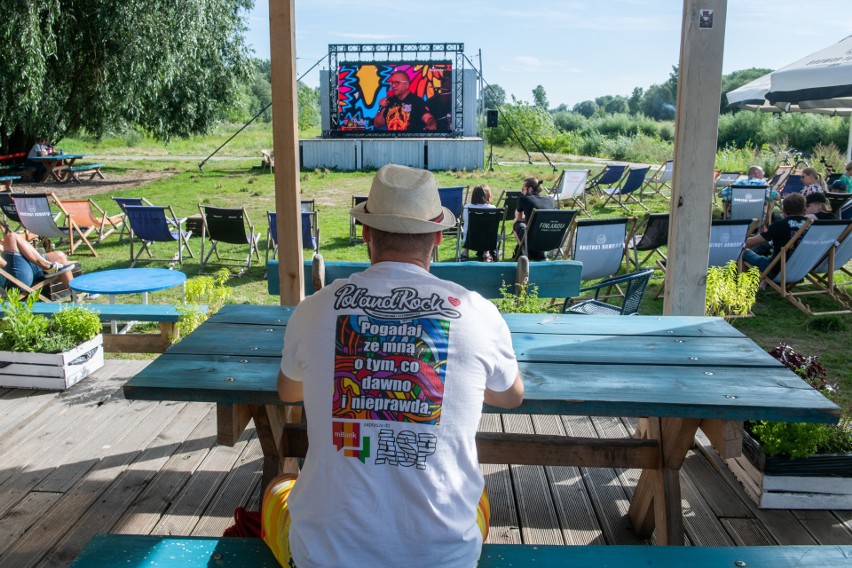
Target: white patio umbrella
x=819, y=83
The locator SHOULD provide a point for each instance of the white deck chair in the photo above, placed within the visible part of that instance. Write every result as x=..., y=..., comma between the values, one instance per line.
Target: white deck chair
x=599, y=244
x=748, y=202
x=660, y=179
x=727, y=240
x=835, y=261
x=570, y=190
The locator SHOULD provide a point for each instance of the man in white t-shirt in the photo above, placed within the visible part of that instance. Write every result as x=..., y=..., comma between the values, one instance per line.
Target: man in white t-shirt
x=393, y=366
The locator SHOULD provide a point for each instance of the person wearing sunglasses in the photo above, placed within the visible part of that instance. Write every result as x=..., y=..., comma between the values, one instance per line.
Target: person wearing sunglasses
x=401, y=110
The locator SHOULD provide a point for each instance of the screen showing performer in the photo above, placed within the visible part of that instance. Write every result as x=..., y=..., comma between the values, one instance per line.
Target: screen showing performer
x=394, y=97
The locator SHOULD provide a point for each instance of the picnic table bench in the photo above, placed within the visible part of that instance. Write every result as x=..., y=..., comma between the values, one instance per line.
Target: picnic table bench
x=681, y=373
x=74, y=173
x=200, y=552
x=6, y=182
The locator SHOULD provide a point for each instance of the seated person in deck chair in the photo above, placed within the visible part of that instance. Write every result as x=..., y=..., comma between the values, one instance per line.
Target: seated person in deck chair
x=755, y=177
x=778, y=233
x=393, y=366
x=530, y=199
x=479, y=199
x=23, y=261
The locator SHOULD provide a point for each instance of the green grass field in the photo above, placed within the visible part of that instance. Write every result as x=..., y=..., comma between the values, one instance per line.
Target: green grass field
x=237, y=182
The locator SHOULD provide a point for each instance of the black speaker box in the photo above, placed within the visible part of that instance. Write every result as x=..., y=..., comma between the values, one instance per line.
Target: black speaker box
x=491, y=118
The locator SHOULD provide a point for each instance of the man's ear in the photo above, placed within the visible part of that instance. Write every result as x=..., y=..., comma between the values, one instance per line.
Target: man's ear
x=365, y=233
x=439, y=236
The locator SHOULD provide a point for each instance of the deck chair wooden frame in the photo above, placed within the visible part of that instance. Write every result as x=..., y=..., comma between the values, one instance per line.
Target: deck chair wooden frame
x=156, y=223
x=227, y=225
x=660, y=179
x=483, y=231
x=799, y=257
x=623, y=193
x=570, y=190
x=608, y=177
x=24, y=290
x=93, y=219
x=37, y=218
x=547, y=231
x=310, y=233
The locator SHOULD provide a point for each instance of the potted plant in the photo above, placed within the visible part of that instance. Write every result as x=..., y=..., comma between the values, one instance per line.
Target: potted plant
x=41, y=353
x=797, y=465
x=731, y=293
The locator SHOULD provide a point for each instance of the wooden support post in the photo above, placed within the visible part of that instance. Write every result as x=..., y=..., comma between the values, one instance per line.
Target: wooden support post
x=696, y=125
x=285, y=135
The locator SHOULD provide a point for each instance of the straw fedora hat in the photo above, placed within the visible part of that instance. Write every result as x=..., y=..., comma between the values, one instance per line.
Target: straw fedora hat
x=404, y=200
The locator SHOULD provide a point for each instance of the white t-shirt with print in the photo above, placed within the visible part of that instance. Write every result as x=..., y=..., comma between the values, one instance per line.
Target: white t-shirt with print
x=394, y=364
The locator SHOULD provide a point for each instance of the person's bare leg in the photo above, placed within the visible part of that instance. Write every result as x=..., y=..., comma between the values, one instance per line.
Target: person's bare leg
x=59, y=256
x=14, y=242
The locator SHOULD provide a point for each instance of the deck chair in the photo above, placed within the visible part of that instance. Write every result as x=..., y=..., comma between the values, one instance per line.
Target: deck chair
x=599, y=244
x=38, y=288
x=629, y=185
x=725, y=179
x=508, y=201
x=227, y=225
x=546, y=232
x=123, y=202
x=608, y=177
x=654, y=229
x=354, y=223
x=92, y=219
x=310, y=233
x=483, y=231
x=660, y=179
x=7, y=204
x=748, y=202
x=570, y=190
x=727, y=240
x=780, y=177
x=267, y=160
x=799, y=257
x=454, y=198
x=37, y=218
x=154, y=223
x=792, y=185
x=635, y=284
x=822, y=276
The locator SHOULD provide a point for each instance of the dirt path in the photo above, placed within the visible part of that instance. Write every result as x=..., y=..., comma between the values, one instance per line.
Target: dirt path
x=113, y=183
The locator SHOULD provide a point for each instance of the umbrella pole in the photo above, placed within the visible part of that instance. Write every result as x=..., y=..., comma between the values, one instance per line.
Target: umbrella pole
x=849, y=142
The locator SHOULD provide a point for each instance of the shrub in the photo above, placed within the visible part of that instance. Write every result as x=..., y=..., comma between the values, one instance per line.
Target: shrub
x=731, y=292
x=526, y=301
x=202, y=290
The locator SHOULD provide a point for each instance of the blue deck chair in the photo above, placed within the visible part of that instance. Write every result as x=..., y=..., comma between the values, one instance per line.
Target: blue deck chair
x=37, y=218
x=635, y=282
x=454, y=198
x=748, y=202
x=570, y=190
x=546, y=232
x=154, y=223
x=792, y=185
x=623, y=193
x=310, y=233
x=599, y=244
x=799, y=257
x=608, y=177
x=227, y=225
x=123, y=202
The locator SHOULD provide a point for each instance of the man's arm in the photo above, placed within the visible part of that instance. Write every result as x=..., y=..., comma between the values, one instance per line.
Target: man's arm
x=379, y=119
x=755, y=240
x=509, y=398
x=288, y=389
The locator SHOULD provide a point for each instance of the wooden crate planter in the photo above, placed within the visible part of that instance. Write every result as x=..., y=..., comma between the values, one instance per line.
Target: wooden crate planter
x=823, y=481
x=51, y=371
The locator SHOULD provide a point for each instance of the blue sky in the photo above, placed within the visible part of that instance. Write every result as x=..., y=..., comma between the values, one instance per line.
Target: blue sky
x=577, y=50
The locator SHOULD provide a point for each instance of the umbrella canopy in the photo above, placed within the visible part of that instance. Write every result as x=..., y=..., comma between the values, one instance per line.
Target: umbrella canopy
x=819, y=83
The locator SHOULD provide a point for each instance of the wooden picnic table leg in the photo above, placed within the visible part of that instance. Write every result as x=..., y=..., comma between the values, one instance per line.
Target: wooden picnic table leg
x=656, y=502
x=269, y=423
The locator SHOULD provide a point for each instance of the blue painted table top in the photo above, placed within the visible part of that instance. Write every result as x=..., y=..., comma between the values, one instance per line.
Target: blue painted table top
x=57, y=157
x=689, y=367
x=128, y=281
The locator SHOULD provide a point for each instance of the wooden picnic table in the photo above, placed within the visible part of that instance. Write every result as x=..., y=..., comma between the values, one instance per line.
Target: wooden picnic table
x=56, y=164
x=680, y=373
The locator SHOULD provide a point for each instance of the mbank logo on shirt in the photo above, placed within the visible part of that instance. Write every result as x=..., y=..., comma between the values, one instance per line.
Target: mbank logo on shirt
x=402, y=303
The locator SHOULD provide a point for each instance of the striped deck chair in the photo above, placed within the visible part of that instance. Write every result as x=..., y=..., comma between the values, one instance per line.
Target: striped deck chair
x=625, y=191
x=570, y=190
x=37, y=218
x=152, y=223
x=800, y=256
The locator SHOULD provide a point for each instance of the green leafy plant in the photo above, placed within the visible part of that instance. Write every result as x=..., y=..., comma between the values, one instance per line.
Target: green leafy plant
x=526, y=301
x=202, y=290
x=22, y=330
x=731, y=292
x=800, y=440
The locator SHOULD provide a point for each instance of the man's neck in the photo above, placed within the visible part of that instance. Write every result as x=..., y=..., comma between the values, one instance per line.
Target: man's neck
x=401, y=257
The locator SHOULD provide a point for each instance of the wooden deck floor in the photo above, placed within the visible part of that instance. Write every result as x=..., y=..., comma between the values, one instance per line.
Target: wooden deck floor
x=86, y=461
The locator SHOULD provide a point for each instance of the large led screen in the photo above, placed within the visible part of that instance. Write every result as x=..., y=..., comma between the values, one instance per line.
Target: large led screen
x=394, y=97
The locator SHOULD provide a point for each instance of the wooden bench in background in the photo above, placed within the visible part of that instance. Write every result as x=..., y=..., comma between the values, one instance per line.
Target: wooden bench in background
x=166, y=315
x=197, y=552
x=74, y=173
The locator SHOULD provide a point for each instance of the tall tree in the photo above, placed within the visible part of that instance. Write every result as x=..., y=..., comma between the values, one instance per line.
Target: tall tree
x=540, y=97
x=494, y=95
x=172, y=67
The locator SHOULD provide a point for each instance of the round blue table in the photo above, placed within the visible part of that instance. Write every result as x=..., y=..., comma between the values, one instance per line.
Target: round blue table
x=127, y=281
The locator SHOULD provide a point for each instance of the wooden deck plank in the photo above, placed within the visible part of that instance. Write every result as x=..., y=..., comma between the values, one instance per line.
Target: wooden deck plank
x=700, y=523
x=536, y=511
x=748, y=532
x=824, y=527
x=498, y=481
x=21, y=406
x=18, y=520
